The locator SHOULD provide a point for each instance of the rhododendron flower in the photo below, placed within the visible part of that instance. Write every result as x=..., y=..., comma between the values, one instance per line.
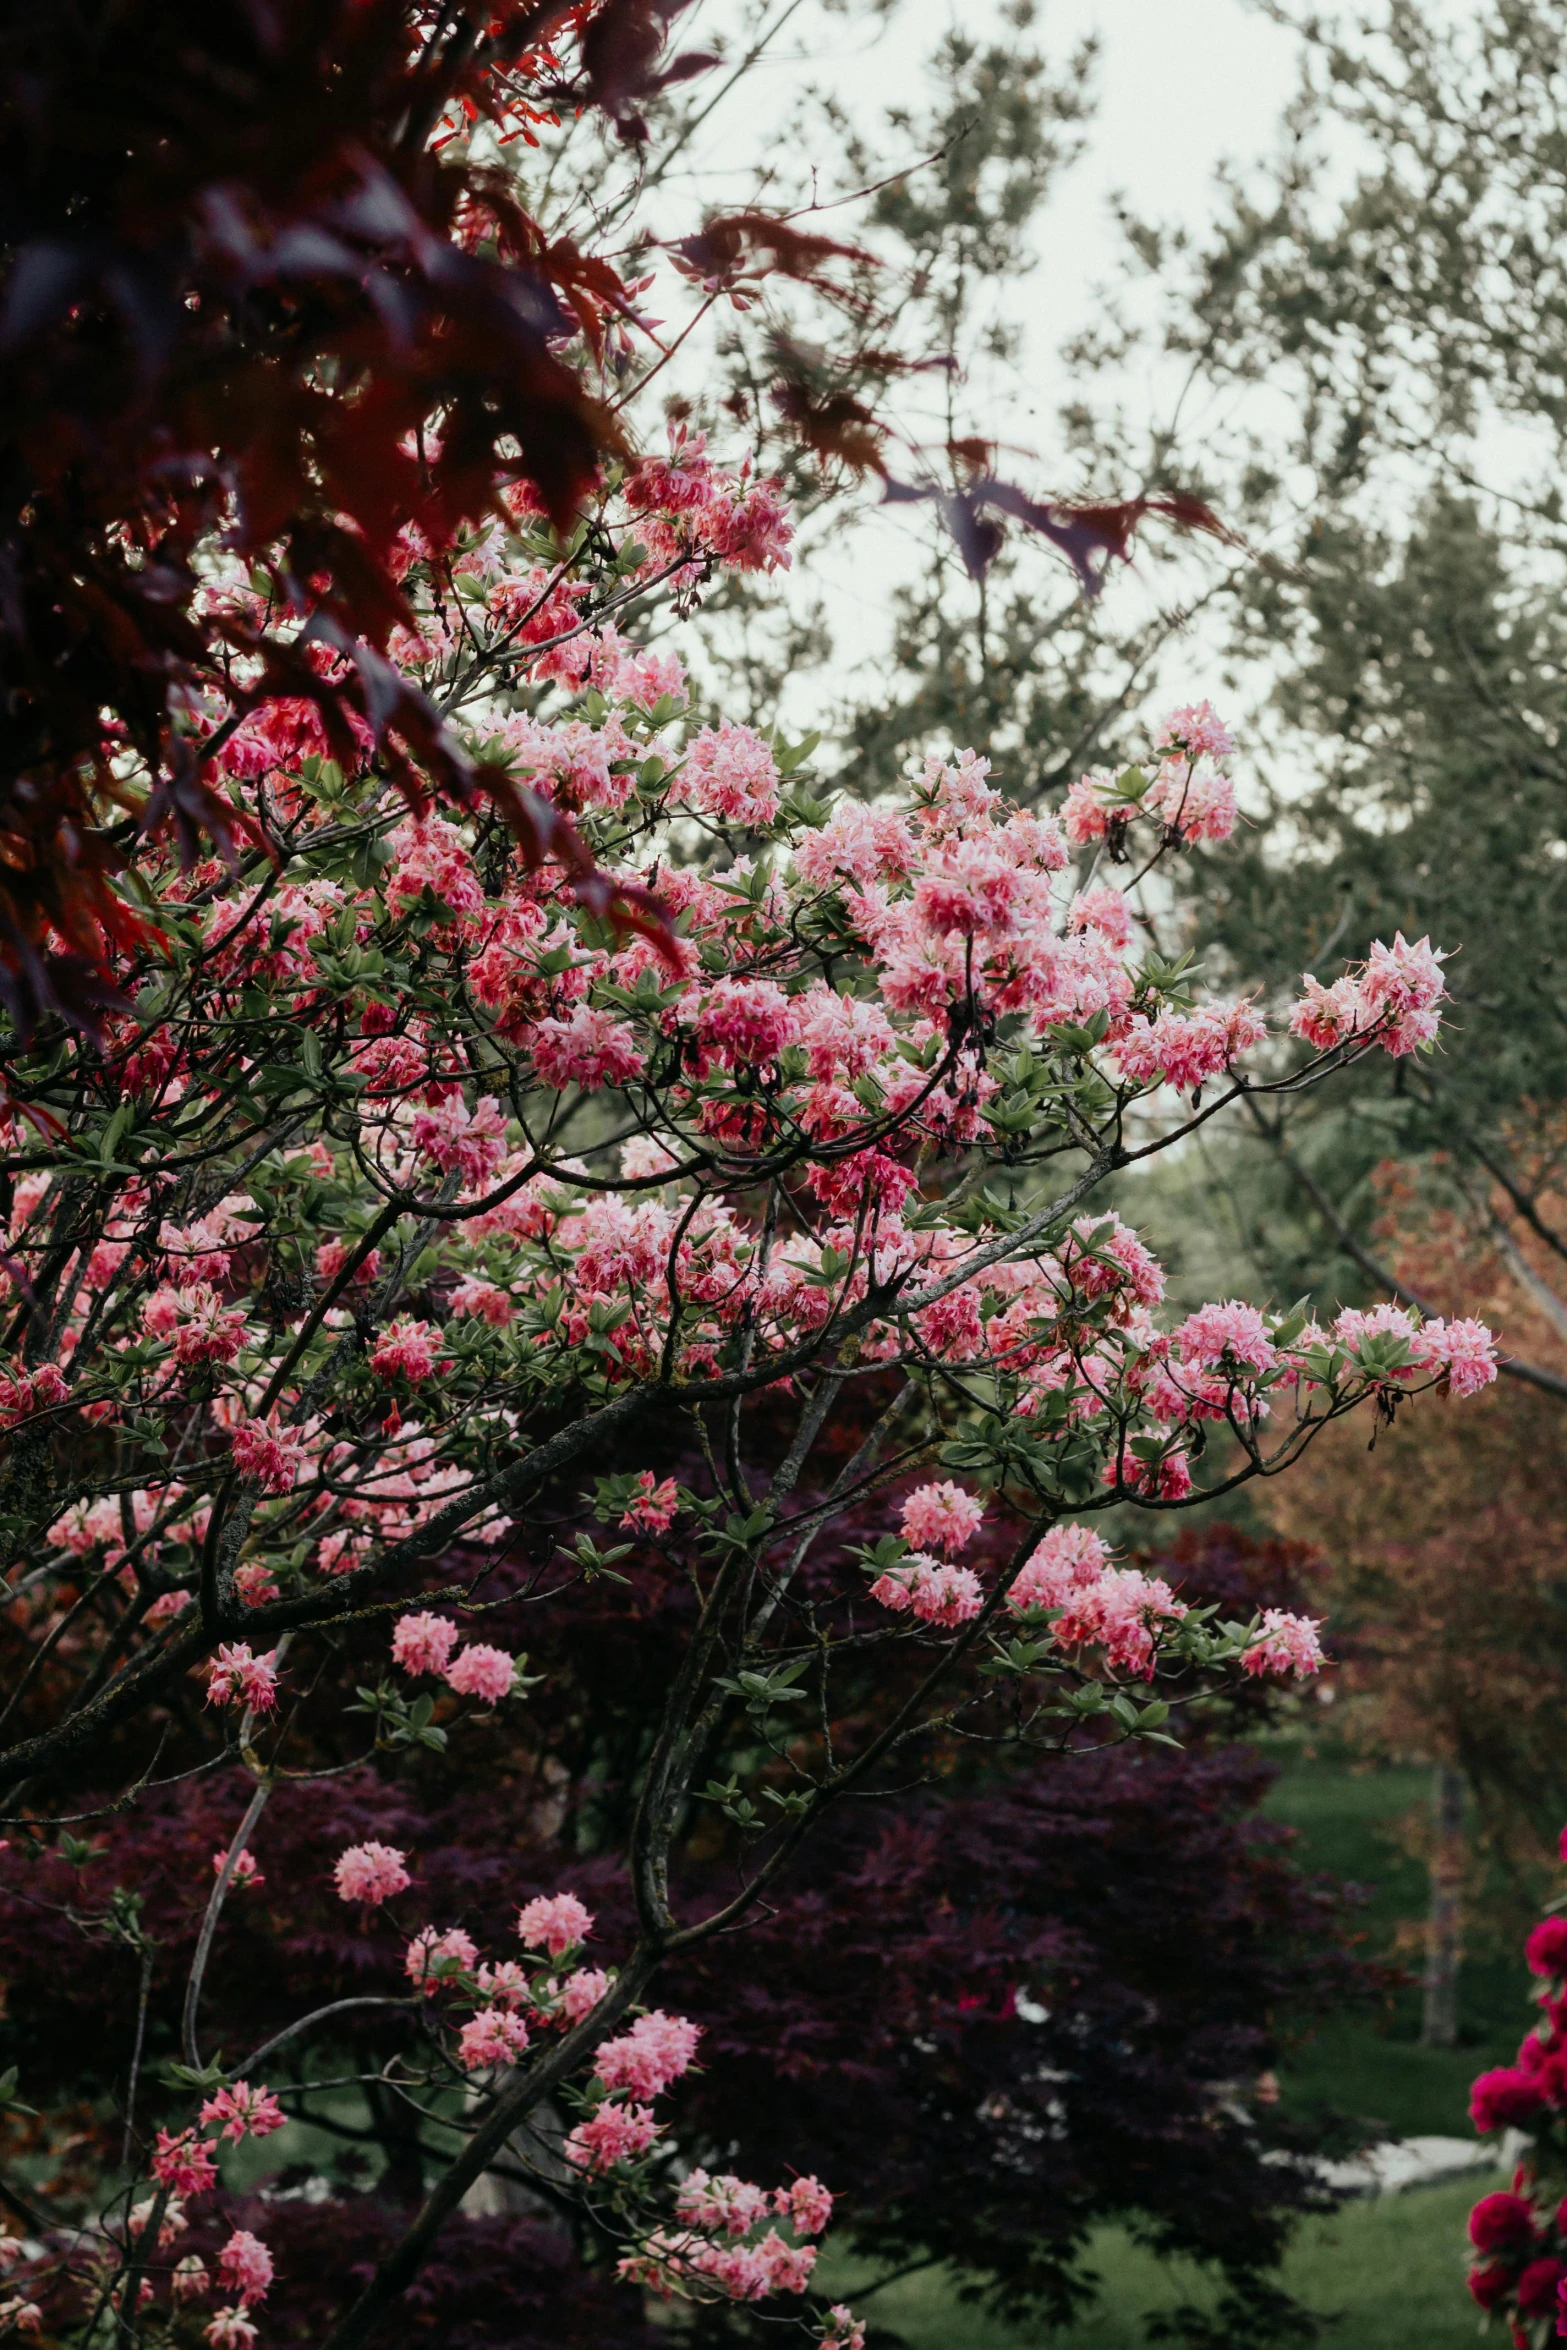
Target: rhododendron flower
x=503, y=1983
x=615, y=2134
x=1285, y=1644
x=432, y=1956
x=1122, y=1612
x=245, y=2267
x=941, y=1517
x=268, y=1453
x=463, y=1142
x=244, y=1872
x=190, y=2279
x=482, y=1672
x=722, y=2206
x=240, y=2108
x=657, y=2050
x=581, y=1992
x=746, y=1021
x=843, y=2330
x=729, y=771
x=423, y=1643
x=1068, y=1560
x=21, y=2316
x=652, y=1508
x=806, y=2203
x=934, y=1592
x=1463, y=1351
x=1195, y=730
x=370, y=1873
x=238, y=1678
x=183, y=2164
x=255, y=1583
x=407, y=1349
x=230, y=2329
x=591, y=1049
x=555, y=1922
x=494, y=2036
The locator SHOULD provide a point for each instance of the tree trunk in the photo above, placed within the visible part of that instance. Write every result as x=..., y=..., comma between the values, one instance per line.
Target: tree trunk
x=1444, y=1923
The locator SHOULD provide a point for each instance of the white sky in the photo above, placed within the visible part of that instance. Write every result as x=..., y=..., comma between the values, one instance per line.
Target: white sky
x=1182, y=86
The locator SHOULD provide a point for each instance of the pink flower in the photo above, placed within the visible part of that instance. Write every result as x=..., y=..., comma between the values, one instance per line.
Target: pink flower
x=482, y=1672
x=468, y=1143
x=245, y=1871
x=1285, y=1644
x=616, y=2134
x=1504, y=2099
x=936, y=1594
x=1464, y=1351
x=230, y=2329
x=407, y=1349
x=652, y=1507
x=493, y=2036
x=1230, y=1336
x=730, y=771
x=428, y=853
x=722, y=2206
x=269, y=1454
x=942, y=1517
x=1197, y=731
x=485, y=1301
x=505, y=1984
x=237, y=1677
x=370, y=1873
x=190, y=2280
x=806, y=2203
x=657, y=2050
x=422, y=1643
x=591, y=1049
x=843, y=2330
x=746, y=1021
x=1069, y=1559
x=555, y=1922
x=1122, y=1613
x=1106, y=911
x=432, y=1956
x=240, y=2108
x=183, y=2164
x=255, y=1583
x=581, y=1992
x=203, y=1329
x=245, y=2267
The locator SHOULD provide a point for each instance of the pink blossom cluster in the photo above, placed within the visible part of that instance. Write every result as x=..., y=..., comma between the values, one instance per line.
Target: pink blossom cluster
x=239, y=1678
x=657, y=2050
x=942, y=1518
x=555, y=1922
x=1391, y=998
x=370, y=1873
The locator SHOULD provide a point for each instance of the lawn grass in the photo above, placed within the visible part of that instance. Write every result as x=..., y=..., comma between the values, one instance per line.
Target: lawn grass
x=1393, y=2266
x=1347, y=1816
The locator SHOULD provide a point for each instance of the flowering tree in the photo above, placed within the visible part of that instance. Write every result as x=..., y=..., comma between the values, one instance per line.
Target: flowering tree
x=345, y=1274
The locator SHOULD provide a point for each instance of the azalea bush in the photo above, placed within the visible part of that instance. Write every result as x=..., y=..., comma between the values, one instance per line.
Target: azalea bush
x=440, y=1224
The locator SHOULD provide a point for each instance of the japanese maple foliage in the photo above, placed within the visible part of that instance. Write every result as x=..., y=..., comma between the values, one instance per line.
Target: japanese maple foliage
x=415, y=1210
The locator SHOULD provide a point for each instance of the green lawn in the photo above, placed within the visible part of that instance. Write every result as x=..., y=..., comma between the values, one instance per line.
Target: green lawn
x=1347, y=1816
x=1393, y=2266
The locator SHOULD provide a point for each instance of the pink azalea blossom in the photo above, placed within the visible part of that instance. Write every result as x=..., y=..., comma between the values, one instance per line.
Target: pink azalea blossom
x=1197, y=731
x=190, y=2279
x=581, y=1992
x=370, y=1873
x=432, y=1957
x=941, y=1517
x=1286, y=1644
x=494, y=2036
x=183, y=2164
x=723, y=2206
x=651, y=1509
x=245, y=1870
x=555, y=1922
x=482, y=1672
x=730, y=772
x=423, y=1643
x=591, y=1049
x=238, y=1678
x=615, y=2134
x=407, y=1349
x=230, y=2329
x=657, y=2050
x=806, y=2203
x=245, y=2267
x=746, y=1021
x=239, y=2109
x=269, y=1454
